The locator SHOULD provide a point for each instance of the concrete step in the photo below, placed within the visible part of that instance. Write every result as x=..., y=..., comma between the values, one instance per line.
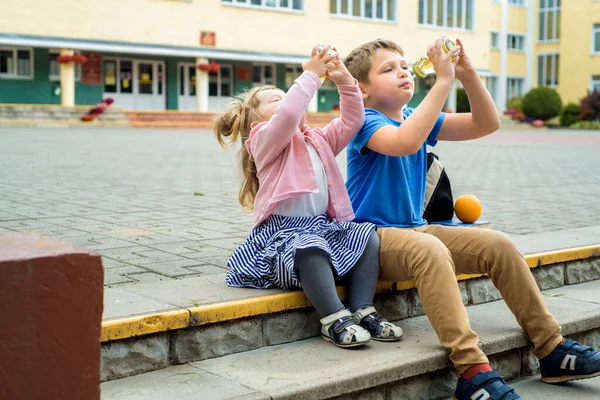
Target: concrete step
x=151, y=326
x=532, y=388
x=53, y=113
x=415, y=368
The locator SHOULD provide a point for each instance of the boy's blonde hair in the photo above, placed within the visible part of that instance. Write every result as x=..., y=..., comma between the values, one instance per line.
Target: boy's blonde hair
x=236, y=122
x=359, y=60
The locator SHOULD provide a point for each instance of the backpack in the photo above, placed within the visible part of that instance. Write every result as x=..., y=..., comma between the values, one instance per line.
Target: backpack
x=439, y=205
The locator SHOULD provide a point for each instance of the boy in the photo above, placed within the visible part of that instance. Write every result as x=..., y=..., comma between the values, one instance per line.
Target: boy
x=387, y=164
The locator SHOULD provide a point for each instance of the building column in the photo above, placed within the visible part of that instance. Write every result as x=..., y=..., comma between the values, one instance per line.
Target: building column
x=529, y=46
x=451, y=101
x=201, y=86
x=502, y=42
x=313, y=106
x=67, y=81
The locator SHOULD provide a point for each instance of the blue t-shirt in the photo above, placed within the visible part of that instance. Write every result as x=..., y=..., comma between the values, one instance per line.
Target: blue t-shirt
x=386, y=190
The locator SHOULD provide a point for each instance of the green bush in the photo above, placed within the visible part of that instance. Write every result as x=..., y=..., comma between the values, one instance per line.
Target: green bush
x=516, y=103
x=542, y=103
x=586, y=125
x=462, y=101
x=569, y=114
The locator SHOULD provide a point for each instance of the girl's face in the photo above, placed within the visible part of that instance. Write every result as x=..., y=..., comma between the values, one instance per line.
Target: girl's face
x=268, y=100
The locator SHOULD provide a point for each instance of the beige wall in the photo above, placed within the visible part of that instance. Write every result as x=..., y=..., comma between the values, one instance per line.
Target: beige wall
x=577, y=62
x=517, y=19
x=178, y=23
x=516, y=64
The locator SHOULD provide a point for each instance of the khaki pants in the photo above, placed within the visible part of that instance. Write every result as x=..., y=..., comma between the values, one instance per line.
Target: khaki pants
x=433, y=255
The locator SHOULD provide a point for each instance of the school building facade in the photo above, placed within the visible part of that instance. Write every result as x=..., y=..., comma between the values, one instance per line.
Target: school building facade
x=146, y=54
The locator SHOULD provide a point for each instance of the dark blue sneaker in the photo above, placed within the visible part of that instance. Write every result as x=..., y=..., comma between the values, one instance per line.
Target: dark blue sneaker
x=485, y=386
x=570, y=361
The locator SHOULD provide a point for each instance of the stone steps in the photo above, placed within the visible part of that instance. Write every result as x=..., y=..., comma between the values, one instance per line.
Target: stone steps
x=46, y=113
x=192, y=317
x=415, y=368
x=20, y=113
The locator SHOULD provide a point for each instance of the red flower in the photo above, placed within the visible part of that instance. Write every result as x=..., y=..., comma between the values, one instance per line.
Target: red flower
x=64, y=59
x=87, y=117
x=96, y=110
x=78, y=58
x=108, y=101
x=211, y=67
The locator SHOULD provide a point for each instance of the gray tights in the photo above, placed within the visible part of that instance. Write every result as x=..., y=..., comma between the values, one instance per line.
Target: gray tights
x=318, y=278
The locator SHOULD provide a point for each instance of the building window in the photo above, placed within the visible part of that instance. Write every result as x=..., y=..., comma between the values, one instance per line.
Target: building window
x=279, y=5
x=494, y=38
x=16, y=63
x=491, y=83
x=596, y=38
x=514, y=87
x=516, y=42
x=457, y=14
x=263, y=74
x=220, y=83
x=518, y=2
x=548, y=69
x=291, y=73
x=595, y=83
x=55, y=68
x=549, y=24
x=376, y=10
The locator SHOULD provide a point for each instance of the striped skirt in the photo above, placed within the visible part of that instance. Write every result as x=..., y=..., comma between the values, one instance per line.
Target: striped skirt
x=266, y=259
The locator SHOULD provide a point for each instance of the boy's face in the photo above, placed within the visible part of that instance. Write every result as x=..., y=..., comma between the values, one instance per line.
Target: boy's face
x=391, y=85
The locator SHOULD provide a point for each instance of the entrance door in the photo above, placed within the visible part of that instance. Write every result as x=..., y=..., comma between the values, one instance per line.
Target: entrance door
x=134, y=84
x=150, y=85
x=187, y=87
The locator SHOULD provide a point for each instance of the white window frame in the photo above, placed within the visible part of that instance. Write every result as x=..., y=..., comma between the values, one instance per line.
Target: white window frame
x=492, y=89
x=387, y=16
x=594, y=82
x=14, y=75
x=262, y=73
x=297, y=72
x=495, y=34
x=510, y=80
x=519, y=37
x=595, y=29
x=54, y=78
x=555, y=60
x=263, y=5
x=220, y=81
x=425, y=3
x=555, y=11
x=517, y=3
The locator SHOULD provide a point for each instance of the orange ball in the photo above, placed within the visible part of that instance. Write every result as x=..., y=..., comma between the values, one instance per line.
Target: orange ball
x=467, y=208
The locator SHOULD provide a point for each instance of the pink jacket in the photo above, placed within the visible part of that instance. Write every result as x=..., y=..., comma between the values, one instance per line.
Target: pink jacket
x=279, y=150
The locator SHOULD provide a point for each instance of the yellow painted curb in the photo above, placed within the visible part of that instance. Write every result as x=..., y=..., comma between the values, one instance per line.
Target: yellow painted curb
x=248, y=307
x=144, y=325
x=291, y=300
x=558, y=256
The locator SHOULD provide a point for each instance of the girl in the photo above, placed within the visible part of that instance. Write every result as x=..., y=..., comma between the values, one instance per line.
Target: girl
x=301, y=235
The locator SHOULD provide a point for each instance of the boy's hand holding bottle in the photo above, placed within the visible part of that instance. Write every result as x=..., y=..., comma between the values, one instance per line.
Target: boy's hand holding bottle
x=443, y=62
x=464, y=69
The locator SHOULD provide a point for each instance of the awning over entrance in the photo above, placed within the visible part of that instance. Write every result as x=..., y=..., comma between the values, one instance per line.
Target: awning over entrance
x=145, y=49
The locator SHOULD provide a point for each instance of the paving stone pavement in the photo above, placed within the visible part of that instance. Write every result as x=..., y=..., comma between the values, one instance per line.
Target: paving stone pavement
x=161, y=204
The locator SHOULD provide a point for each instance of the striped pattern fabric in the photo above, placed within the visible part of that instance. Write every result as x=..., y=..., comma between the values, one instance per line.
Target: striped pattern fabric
x=266, y=259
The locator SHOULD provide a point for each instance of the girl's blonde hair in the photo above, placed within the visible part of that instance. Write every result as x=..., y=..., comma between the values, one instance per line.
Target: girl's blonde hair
x=236, y=122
